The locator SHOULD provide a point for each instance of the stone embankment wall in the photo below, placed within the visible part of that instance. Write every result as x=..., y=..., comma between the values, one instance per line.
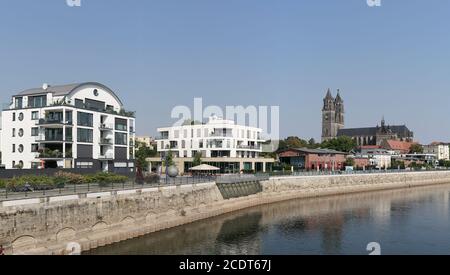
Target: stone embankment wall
x=48, y=226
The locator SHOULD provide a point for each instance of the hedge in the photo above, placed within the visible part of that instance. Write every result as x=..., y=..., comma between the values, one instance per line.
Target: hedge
x=60, y=179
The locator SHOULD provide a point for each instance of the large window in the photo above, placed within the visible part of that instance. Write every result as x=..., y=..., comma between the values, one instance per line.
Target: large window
x=85, y=119
x=95, y=105
x=121, y=139
x=34, y=132
x=19, y=103
x=37, y=101
x=121, y=124
x=85, y=135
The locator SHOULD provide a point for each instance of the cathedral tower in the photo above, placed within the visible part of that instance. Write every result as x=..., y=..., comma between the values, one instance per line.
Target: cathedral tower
x=332, y=116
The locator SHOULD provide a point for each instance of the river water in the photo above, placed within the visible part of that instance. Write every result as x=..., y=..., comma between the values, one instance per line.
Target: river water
x=404, y=221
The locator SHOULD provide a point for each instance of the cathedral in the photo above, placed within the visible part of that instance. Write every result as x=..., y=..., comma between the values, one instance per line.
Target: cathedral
x=333, y=126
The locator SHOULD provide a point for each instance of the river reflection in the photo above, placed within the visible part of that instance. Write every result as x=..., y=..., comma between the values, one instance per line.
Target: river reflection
x=406, y=221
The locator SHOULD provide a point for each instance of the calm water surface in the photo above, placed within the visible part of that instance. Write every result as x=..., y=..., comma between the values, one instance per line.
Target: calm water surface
x=407, y=221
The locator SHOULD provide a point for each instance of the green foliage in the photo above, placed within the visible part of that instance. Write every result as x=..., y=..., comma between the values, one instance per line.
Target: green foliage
x=342, y=144
x=350, y=162
x=197, y=159
x=60, y=179
x=395, y=164
x=169, y=159
x=416, y=149
x=152, y=178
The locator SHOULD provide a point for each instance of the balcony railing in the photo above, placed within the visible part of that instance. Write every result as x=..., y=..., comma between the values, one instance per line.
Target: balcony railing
x=106, y=156
x=108, y=127
x=106, y=141
x=249, y=147
x=44, y=122
x=58, y=138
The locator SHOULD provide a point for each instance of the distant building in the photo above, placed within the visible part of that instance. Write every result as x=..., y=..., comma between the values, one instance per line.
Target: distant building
x=332, y=116
x=221, y=143
x=441, y=150
x=397, y=147
x=146, y=141
x=313, y=159
x=333, y=125
x=376, y=156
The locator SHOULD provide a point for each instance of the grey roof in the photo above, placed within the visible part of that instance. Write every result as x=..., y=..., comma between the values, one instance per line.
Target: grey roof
x=64, y=90
x=316, y=151
x=61, y=90
x=401, y=130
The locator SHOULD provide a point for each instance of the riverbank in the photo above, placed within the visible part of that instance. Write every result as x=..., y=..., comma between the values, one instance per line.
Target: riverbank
x=46, y=227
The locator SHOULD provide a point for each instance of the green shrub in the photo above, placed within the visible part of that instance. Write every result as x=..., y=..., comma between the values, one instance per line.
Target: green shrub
x=152, y=178
x=3, y=184
x=68, y=178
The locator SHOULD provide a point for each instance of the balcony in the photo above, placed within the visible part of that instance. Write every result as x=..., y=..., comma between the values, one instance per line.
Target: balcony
x=108, y=156
x=53, y=122
x=226, y=135
x=249, y=147
x=106, y=127
x=53, y=154
x=53, y=139
x=106, y=141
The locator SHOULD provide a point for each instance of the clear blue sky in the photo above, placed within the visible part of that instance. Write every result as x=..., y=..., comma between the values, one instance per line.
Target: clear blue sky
x=393, y=60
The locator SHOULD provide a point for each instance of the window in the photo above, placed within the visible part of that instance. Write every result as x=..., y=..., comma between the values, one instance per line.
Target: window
x=14, y=132
x=79, y=103
x=20, y=148
x=19, y=103
x=34, y=131
x=85, y=119
x=20, y=132
x=14, y=164
x=14, y=117
x=121, y=124
x=85, y=165
x=37, y=101
x=85, y=135
x=95, y=105
x=69, y=119
x=20, y=116
x=121, y=139
x=34, y=115
x=34, y=148
x=13, y=148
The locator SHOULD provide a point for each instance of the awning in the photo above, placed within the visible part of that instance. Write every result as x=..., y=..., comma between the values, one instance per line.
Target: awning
x=204, y=167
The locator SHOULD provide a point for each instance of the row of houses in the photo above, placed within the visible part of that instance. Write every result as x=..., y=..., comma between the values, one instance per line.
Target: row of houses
x=85, y=126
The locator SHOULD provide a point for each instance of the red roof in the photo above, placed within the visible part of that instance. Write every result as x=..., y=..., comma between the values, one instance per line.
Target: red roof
x=399, y=145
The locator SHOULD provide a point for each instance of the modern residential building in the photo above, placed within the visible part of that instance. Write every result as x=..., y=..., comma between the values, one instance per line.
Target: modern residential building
x=313, y=159
x=441, y=150
x=221, y=143
x=376, y=156
x=71, y=126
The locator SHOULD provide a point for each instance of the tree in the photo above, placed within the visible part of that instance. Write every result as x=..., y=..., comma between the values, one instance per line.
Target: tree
x=197, y=159
x=342, y=143
x=416, y=149
x=350, y=162
x=295, y=142
x=169, y=159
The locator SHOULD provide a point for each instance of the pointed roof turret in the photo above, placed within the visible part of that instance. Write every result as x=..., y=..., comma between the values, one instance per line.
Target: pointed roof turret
x=329, y=96
x=338, y=97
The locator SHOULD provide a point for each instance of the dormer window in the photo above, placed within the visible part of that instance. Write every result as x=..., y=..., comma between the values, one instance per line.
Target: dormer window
x=18, y=104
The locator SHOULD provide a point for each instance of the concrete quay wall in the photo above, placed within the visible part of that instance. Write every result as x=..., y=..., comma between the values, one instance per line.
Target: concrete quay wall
x=56, y=225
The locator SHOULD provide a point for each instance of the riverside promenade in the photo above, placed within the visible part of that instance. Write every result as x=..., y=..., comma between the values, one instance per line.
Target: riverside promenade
x=48, y=225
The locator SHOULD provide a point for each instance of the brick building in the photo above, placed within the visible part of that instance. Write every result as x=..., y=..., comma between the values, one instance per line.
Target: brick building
x=313, y=159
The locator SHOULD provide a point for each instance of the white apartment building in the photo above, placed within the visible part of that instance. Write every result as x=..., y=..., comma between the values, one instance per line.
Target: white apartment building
x=71, y=126
x=440, y=150
x=220, y=142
